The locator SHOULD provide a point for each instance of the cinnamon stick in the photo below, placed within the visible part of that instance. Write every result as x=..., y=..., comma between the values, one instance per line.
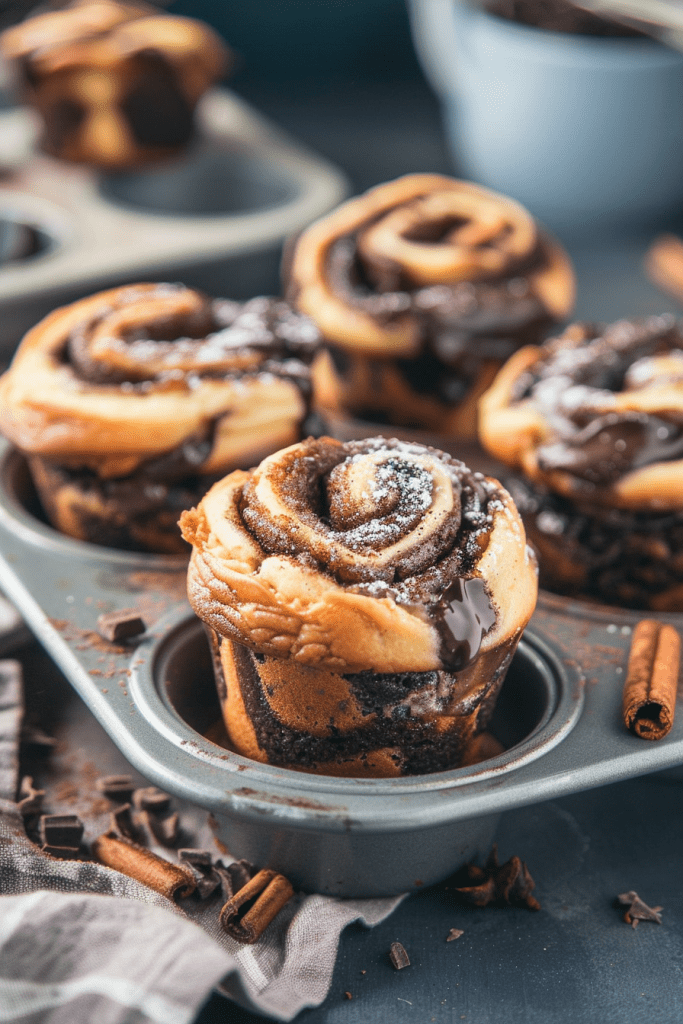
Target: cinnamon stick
x=169, y=879
x=263, y=896
x=649, y=701
x=664, y=264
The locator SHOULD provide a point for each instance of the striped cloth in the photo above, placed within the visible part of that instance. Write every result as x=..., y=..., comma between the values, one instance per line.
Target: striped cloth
x=81, y=943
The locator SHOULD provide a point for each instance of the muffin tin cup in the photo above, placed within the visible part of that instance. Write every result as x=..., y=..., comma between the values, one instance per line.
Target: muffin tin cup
x=215, y=216
x=348, y=837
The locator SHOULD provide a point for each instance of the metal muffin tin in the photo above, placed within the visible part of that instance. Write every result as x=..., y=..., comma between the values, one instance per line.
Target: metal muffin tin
x=217, y=215
x=559, y=713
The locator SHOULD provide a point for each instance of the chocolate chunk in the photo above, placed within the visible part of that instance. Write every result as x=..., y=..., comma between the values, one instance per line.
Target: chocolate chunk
x=207, y=877
x=637, y=910
x=61, y=830
x=453, y=934
x=62, y=852
x=30, y=799
x=166, y=831
x=398, y=956
x=241, y=872
x=116, y=787
x=227, y=888
x=508, y=883
x=122, y=822
x=151, y=799
x=197, y=858
x=120, y=625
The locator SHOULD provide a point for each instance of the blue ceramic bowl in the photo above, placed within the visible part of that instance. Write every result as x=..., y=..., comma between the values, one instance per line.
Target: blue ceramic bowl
x=582, y=130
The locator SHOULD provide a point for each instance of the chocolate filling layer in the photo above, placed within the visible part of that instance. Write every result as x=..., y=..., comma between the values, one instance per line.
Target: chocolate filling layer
x=422, y=748
x=460, y=325
x=620, y=557
x=573, y=385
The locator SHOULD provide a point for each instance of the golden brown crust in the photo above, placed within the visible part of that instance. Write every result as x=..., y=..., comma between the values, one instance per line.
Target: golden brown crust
x=48, y=409
x=324, y=597
x=524, y=432
x=491, y=237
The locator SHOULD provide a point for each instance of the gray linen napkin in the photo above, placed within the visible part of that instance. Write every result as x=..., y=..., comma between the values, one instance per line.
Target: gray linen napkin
x=80, y=942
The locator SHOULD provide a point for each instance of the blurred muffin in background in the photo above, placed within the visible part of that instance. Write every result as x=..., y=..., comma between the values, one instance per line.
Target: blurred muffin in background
x=593, y=422
x=115, y=83
x=421, y=288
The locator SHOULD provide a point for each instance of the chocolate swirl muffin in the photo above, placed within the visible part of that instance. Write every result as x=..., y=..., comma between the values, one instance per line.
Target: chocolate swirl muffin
x=594, y=421
x=421, y=289
x=115, y=83
x=131, y=403
x=360, y=606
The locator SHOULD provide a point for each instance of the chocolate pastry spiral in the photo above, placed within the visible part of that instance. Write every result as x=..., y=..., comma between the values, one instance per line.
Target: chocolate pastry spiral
x=363, y=576
x=131, y=402
x=421, y=288
x=594, y=421
x=116, y=83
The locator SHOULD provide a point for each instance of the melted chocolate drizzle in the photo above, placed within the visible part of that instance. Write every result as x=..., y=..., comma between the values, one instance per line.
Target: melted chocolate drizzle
x=463, y=616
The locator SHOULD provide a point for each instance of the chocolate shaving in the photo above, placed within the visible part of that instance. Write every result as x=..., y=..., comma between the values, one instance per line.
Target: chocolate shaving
x=637, y=910
x=122, y=822
x=120, y=625
x=227, y=890
x=151, y=799
x=236, y=874
x=398, y=956
x=116, y=787
x=508, y=883
x=166, y=831
x=206, y=877
x=453, y=934
x=249, y=912
x=30, y=799
x=649, y=700
x=170, y=880
x=61, y=830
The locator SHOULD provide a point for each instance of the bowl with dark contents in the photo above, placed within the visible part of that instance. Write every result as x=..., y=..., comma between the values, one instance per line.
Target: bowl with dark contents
x=576, y=117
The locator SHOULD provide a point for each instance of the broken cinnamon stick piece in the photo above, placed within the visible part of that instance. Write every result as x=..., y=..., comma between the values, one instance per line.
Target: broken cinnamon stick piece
x=664, y=264
x=248, y=913
x=649, y=700
x=171, y=880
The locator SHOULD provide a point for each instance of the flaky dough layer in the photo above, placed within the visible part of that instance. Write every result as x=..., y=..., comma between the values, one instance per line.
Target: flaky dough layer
x=291, y=606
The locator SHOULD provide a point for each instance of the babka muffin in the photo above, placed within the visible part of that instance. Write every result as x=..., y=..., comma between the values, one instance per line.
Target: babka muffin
x=131, y=403
x=593, y=420
x=363, y=600
x=421, y=289
x=115, y=83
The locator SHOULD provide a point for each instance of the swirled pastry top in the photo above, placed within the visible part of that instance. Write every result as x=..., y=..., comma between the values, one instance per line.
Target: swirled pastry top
x=370, y=555
x=132, y=373
x=92, y=34
x=595, y=414
x=428, y=253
